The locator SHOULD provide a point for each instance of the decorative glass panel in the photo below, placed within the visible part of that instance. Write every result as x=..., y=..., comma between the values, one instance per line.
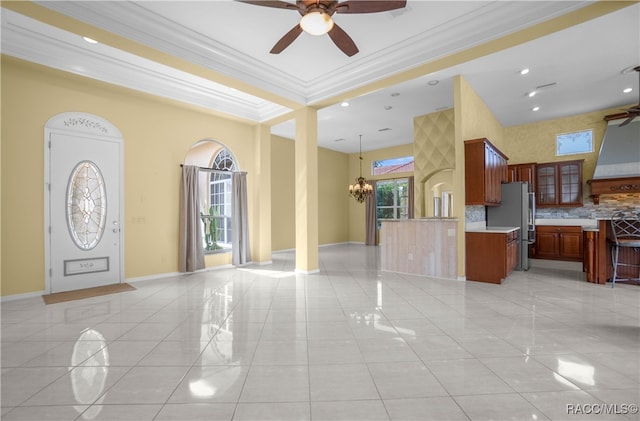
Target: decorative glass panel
x=86, y=205
x=574, y=143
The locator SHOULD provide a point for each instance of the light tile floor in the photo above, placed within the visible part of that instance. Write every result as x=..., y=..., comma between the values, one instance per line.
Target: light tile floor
x=349, y=343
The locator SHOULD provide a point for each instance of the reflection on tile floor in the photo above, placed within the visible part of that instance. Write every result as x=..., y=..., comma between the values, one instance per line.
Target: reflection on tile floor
x=350, y=343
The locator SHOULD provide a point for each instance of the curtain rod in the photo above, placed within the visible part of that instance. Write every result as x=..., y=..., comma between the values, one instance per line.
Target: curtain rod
x=216, y=171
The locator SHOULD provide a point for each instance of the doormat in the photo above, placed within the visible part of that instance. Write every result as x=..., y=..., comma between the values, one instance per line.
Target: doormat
x=60, y=297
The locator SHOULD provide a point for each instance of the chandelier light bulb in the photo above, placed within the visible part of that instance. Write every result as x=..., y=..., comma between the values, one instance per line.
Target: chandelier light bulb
x=361, y=189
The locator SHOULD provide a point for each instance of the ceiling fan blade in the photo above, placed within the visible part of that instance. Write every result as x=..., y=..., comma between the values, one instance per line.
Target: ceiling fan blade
x=343, y=40
x=286, y=40
x=369, y=6
x=627, y=121
x=271, y=3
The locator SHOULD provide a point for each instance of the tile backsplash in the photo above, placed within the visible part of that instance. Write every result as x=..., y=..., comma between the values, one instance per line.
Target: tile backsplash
x=609, y=203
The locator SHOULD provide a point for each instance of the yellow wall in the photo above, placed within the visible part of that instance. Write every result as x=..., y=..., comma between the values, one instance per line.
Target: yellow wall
x=473, y=120
x=333, y=203
x=536, y=142
x=357, y=210
x=283, y=212
x=157, y=135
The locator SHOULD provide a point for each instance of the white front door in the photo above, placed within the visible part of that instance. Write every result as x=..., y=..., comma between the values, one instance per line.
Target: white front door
x=84, y=209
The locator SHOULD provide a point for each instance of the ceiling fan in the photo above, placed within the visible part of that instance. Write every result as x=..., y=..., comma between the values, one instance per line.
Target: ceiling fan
x=633, y=112
x=316, y=18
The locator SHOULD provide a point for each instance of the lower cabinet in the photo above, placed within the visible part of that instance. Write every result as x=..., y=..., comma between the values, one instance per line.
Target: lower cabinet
x=491, y=255
x=557, y=242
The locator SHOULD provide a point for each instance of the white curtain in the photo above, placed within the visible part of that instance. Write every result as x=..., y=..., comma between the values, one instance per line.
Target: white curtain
x=240, y=220
x=191, y=248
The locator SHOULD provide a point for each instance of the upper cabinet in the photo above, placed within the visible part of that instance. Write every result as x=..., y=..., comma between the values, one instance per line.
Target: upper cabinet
x=485, y=170
x=559, y=184
x=523, y=172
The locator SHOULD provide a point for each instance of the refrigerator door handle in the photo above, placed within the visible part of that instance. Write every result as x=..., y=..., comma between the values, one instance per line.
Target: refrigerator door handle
x=532, y=211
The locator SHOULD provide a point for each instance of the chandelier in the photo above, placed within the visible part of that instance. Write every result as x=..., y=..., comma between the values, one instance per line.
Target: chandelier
x=361, y=189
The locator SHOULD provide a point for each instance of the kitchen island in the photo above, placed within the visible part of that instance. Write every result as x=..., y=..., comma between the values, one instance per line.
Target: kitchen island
x=422, y=246
x=596, y=247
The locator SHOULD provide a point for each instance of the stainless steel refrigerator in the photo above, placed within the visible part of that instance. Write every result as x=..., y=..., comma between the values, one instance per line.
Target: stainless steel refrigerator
x=517, y=209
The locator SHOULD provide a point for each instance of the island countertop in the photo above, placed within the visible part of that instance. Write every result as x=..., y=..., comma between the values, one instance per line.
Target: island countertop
x=500, y=230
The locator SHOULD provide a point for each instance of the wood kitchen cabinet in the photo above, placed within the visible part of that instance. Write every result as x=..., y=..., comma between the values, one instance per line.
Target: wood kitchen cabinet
x=491, y=256
x=522, y=172
x=485, y=171
x=559, y=184
x=590, y=259
x=558, y=243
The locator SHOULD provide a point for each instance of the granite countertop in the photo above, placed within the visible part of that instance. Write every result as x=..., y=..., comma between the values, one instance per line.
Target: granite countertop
x=569, y=222
x=426, y=219
x=502, y=230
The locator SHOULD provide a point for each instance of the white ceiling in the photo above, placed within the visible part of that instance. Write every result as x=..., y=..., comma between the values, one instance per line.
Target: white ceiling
x=231, y=41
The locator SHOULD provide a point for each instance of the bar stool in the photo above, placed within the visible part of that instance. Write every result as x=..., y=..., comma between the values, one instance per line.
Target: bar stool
x=626, y=233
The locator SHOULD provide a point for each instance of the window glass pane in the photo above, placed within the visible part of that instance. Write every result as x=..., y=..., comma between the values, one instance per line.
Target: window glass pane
x=393, y=165
x=385, y=193
x=574, y=143
x=217, y=218
x=392, y=199
x=385, y=213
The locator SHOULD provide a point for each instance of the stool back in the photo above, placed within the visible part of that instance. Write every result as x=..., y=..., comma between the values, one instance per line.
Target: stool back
x=625, y=228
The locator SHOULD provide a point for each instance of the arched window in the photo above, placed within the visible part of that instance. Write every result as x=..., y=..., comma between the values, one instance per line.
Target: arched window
x=214, y=191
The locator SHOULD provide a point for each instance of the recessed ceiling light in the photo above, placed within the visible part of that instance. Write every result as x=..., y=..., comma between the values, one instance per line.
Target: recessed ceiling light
x=395, y=94
x=524, y=71
x=535, y=109
x=627, y=90
x=90, y=40
x=342, y=139
x=345, y=104
x=388, y=107
x=433, y=82
x=531, y=94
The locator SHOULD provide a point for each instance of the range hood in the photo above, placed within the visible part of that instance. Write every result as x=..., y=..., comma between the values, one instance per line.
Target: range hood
x=618, y=167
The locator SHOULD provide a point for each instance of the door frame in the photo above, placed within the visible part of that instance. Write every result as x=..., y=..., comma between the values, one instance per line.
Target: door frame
x=79, y=123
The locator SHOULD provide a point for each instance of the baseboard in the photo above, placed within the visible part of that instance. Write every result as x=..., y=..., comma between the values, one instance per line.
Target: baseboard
x=307, y=272
x=22, y=296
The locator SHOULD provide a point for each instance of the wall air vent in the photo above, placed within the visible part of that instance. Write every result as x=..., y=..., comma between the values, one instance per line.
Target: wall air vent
x=548, y=85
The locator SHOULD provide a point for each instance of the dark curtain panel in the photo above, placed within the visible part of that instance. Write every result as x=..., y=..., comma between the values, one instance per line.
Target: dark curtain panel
x=191, y=247
x=371, y=219
x=240, y=220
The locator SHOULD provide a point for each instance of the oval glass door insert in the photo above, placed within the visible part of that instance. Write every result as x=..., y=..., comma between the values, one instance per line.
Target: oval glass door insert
x=86, y=205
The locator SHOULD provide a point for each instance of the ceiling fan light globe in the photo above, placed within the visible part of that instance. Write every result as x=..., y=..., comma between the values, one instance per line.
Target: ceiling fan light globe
x=316, y=23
